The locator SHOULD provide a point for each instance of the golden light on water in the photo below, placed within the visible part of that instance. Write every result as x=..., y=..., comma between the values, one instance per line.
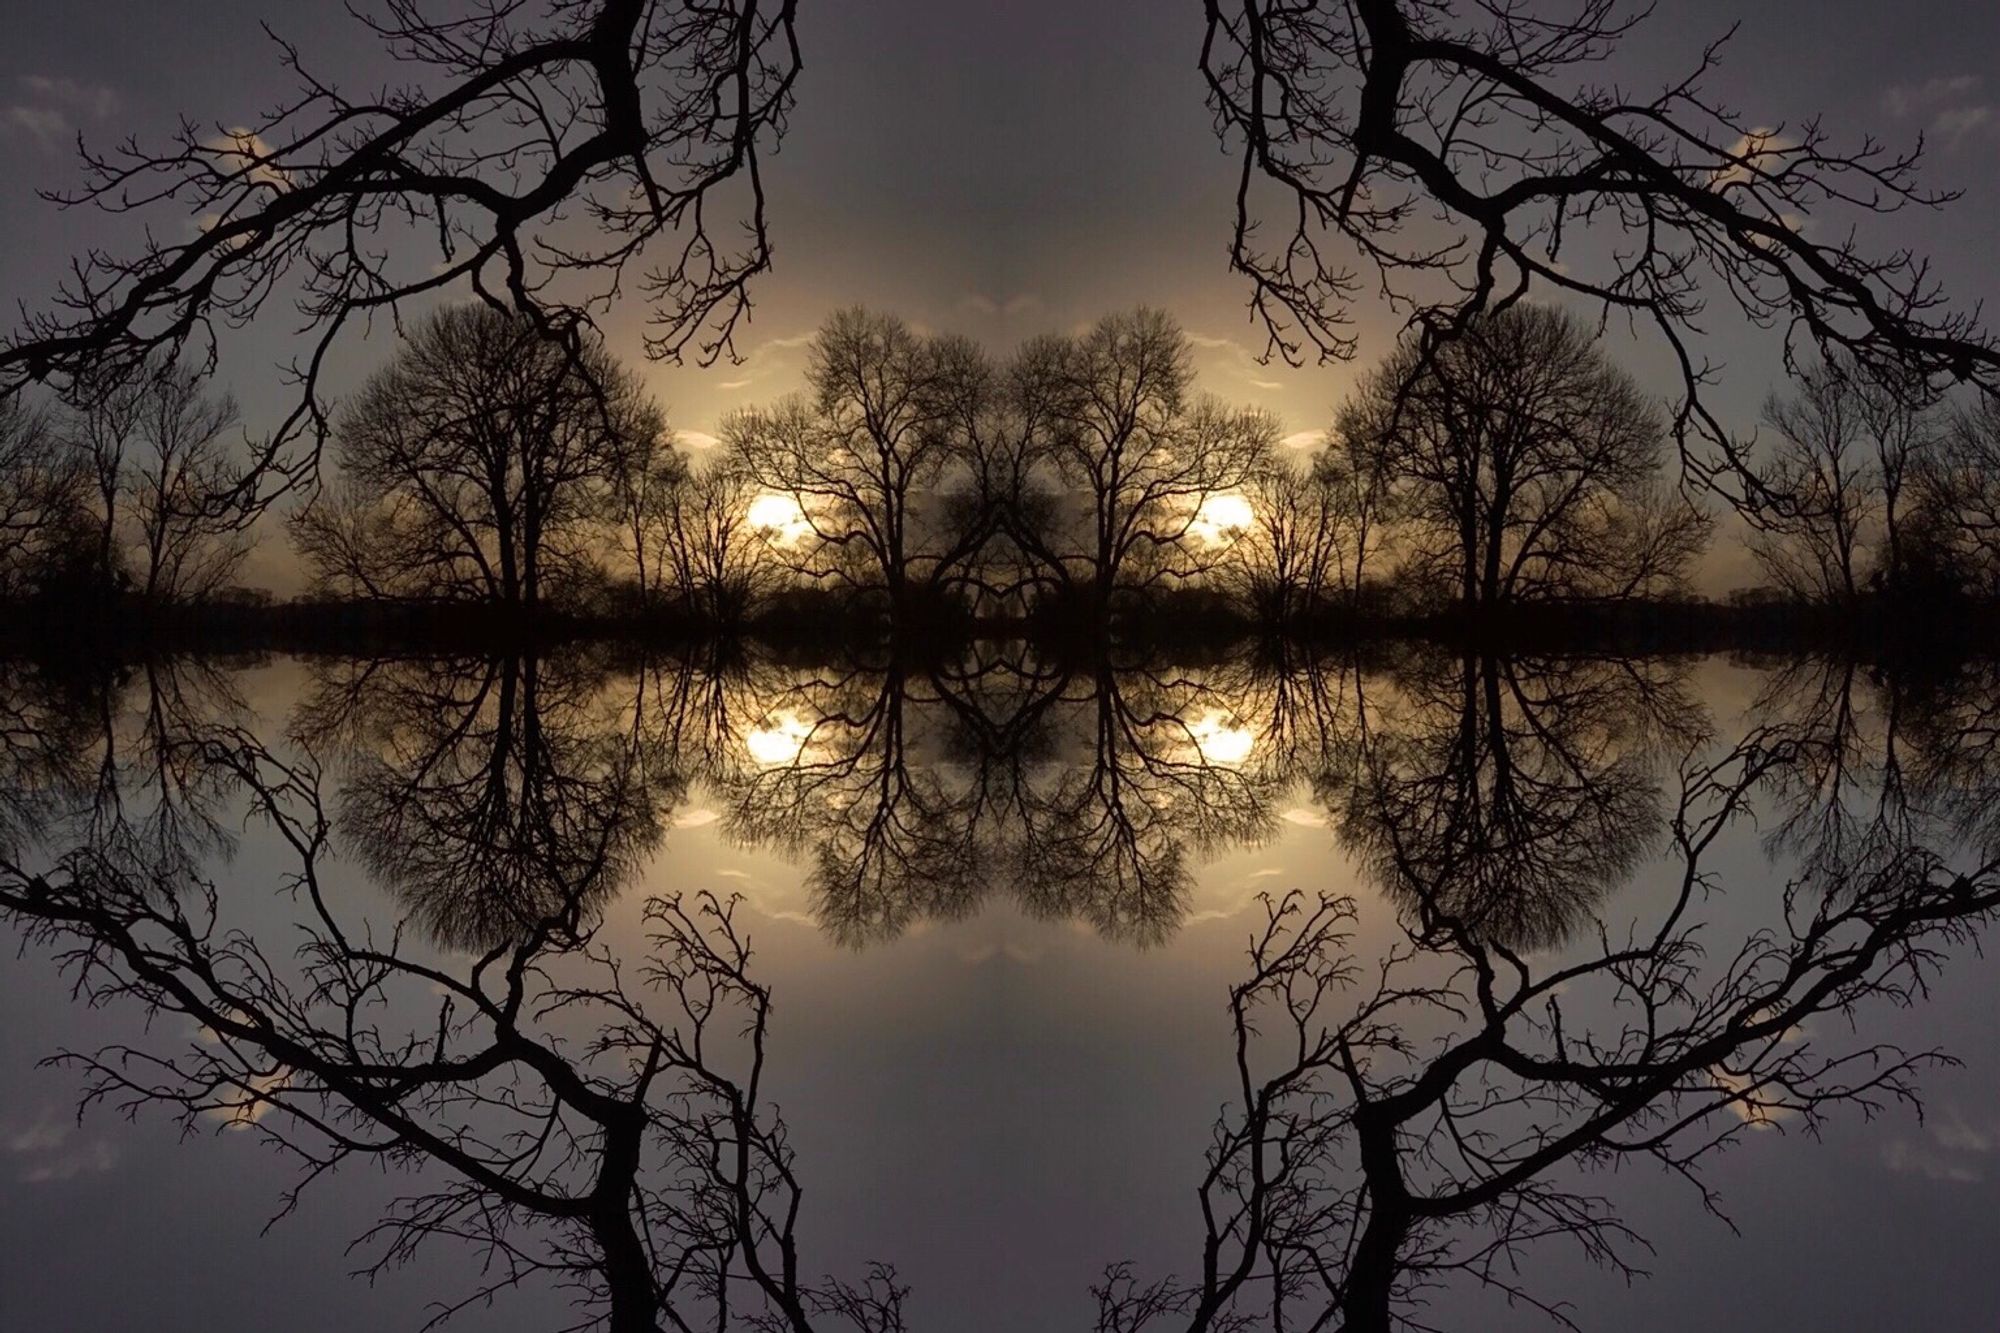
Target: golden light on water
x=779, y=519
x=780, y=739
x=1221, y=518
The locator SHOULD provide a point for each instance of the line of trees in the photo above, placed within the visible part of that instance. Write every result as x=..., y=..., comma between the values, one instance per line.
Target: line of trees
x=919, y=475
x=918, y=471
x=127, y=488
x=1871, y=486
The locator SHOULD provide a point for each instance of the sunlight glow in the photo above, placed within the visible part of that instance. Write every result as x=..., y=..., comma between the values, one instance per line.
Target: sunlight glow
x=1221, y=739
x=1222, y=518
x=779, y=519
x=780, y=740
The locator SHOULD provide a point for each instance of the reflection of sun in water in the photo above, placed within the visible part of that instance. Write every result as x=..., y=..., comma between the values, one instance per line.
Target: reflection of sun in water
x=779, y=519
x=780, y=740
x=1221, y=739
x=1221, y=518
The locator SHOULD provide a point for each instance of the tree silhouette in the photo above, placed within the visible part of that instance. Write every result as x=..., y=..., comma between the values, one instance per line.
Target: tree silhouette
x=480, y=464
x=493, y=795
x=1525, y=465
x=1124, y=432
x=41, y=490
x=640, y=1168
x=1461, y=152
x=165, y=476
x=1846, y=454
x=885, y=417
x=548, y=157
x=1365, y=1163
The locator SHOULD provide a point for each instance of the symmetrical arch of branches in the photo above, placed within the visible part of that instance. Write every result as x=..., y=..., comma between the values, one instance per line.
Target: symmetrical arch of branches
x=1397, y=1126
x=638, y=1167
x=1457, y=155
x=1421, y=1121
x=549, y=154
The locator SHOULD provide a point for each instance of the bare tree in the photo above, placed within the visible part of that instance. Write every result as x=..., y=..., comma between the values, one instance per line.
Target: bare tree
x=886, y=417
x=1362, y=1166
x=639, y=1168
x=1459, y=150
x=707, y=552
x=41, y=492
x=1294, y=557
x=188, y=533
x=1525, y=463
x=482, y=463
x=1148, y=459
x=1954, y=526
x=548, y=155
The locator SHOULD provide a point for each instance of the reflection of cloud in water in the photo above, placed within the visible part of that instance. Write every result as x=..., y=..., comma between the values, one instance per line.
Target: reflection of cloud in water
x=1221, y=739
x=780, y=740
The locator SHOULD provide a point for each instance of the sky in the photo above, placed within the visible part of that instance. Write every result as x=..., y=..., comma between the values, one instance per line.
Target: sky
x=997, y=169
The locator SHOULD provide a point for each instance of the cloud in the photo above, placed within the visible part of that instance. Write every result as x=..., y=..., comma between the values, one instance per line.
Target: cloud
x=1954, y=125
x=697, y=439
x=48, y=111
x=91, y=99
x=1947, y=1152
x=45, y=125
x=1761, y=150
x=1908, y=99
x=242, y=150
x=1304, y=818
x=1948, y=105
x=1238, y=360
x=1758, y=1104
x=49, y=1151
x=1906, y=1158
x=697, y=819
x=252, y=1100
x=1304, y=439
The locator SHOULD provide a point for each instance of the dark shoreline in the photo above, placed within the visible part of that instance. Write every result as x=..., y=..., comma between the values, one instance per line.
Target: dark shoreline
x=1872, y=630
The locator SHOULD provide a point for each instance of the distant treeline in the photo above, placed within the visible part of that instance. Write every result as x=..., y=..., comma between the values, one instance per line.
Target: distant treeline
x=1508, y=477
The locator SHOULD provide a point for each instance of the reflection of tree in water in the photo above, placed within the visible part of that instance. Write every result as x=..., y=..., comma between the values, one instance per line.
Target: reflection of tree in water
x=1164, y=771
x=492, y=794
x=47, y=723
x=1951, y=732
x=833, y=770
x=917, y=789
x=1399, y=1123
x=121, y=757
x=1423, y=1120
x=1503, y=797
x=640, y=1171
